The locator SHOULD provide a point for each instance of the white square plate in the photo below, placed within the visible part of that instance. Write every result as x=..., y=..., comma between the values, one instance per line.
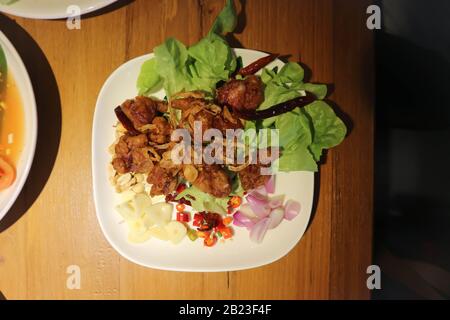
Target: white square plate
x=236, y=254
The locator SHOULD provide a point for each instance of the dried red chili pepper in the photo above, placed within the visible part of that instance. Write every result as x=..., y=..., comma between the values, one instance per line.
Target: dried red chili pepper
x=276, y=109
x=257, y=65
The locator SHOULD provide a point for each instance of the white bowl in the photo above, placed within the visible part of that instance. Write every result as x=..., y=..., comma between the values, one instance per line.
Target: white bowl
x=51, y=9
x=240, y=252
x=17, y=69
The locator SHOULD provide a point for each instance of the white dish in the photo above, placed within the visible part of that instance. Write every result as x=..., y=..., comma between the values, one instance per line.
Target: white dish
x=236, y=254
x=22, y=80
x=51, y=9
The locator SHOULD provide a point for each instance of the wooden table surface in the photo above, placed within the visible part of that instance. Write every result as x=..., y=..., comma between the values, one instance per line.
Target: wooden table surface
x=53, y=224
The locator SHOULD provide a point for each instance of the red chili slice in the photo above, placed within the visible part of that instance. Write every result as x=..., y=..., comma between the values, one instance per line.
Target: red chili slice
x=183, y=217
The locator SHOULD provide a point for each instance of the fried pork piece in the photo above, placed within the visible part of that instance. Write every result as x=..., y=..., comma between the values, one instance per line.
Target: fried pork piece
x=161, y=106
x=205, y=117
x=244, y=94
x=131, y=155
x=196, y=109
x=163, y=180
x=186, y=100
x=161, y=132
x=142, y=110
x=121, y=165
x=214, y=180
x=134, y=142
x=211, y=116
x=251, y=177
x=226, y=120
x=187, y=103
x=140, y=161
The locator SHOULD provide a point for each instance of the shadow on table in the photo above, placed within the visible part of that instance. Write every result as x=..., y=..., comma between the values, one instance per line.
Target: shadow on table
x=241, y=24
x=49, y=118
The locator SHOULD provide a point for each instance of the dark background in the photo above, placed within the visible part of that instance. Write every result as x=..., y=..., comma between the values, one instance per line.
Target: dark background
x=412, y=165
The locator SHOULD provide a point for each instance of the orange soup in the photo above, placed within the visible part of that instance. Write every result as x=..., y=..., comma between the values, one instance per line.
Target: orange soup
x=11, y=122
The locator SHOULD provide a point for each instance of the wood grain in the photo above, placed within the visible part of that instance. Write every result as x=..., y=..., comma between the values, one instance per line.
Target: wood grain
x=60, y=228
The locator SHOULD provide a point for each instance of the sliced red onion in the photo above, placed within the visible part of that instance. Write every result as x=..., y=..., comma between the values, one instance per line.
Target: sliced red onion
x=260, y=206
x=270, y=185
x=241, y=220
x=276, y=202
x=238, y=223
x=259, y=230
x=259, y=192
x=291, y=209
x=247, y=211
x=275, y=218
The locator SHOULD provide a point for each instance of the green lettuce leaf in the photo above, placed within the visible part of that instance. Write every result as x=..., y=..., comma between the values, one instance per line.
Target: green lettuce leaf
x=267, y=75
x=291, y=73
x=328, y=130
x=275, y=94
x=214, y=62
x=319, y=90
x=279, y=87
x=199, y=67
x=297, y=158
x=295, y=139
x=292, y=128
x=303, y=133
x=285, y=85
x=171, y=58
x=203, y=201
x=149, y=80
x=226, y=21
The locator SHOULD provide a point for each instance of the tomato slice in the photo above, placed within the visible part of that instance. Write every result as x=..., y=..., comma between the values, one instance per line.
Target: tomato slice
x=226, y=232
x=203, y=234
x=210, y=241
x=180, y=207
x=228, y=220
x=235, y=202
x=7, y=174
